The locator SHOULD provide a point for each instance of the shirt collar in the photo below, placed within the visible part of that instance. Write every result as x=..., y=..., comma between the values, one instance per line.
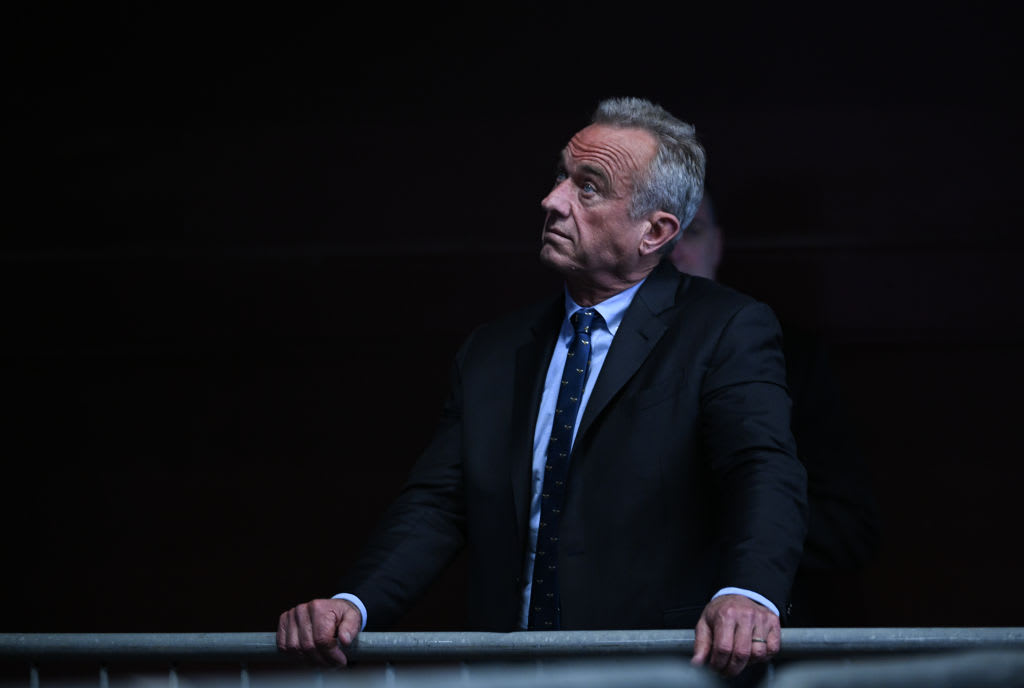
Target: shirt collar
x=611, y=310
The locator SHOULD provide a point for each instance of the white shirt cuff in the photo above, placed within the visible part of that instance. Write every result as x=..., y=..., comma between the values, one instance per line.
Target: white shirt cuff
x=760, y=599
x=359, y=605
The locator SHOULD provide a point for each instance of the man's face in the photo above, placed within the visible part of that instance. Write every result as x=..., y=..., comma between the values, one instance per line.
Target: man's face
x=588, y=232
x=699, y=250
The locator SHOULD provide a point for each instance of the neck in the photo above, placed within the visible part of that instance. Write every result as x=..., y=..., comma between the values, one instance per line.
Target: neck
x=590, y=292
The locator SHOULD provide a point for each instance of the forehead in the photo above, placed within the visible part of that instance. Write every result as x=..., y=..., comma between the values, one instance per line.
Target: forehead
x=614, y=150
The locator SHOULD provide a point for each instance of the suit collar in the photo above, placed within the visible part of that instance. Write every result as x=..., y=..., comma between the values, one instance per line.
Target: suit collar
x=639, y=332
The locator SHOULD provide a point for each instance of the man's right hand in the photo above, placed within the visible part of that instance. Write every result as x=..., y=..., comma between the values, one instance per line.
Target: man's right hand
x=314, y=629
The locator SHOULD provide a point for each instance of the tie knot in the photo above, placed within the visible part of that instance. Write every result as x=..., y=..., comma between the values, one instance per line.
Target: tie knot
x=583, y=319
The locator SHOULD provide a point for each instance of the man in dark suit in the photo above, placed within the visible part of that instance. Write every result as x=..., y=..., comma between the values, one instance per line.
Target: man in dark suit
x=664, y=492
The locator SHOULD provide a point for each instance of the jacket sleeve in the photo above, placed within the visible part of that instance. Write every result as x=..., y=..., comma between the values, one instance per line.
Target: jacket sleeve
x=745, y=429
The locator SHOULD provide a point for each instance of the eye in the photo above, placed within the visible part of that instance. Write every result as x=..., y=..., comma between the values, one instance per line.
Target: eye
x=588, y=187
x=560, y=177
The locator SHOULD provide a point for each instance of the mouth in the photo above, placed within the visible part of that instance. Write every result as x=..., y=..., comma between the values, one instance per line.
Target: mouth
x=550, y=230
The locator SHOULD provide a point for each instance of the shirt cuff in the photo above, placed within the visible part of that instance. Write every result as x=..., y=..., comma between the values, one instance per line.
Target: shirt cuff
x=359, y=605
x=760, y=599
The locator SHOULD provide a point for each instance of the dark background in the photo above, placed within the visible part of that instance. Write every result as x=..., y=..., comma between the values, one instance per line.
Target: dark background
x=240, y=247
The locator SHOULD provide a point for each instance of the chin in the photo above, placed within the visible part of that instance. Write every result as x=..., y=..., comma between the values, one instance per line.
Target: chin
x=551, y=256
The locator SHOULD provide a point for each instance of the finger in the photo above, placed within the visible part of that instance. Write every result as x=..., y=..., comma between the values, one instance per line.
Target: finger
x=325, y=623
x=307, y=644
x=292, y=631
x=774, y=637
x=739, y=651
x=758, y=645
x=722, y=646
x=701, y=643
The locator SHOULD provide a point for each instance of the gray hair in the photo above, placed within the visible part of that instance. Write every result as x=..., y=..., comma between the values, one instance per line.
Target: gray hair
x=675, y=179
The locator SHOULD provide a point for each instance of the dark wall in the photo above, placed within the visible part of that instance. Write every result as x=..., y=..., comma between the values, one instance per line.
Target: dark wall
x=241, y=247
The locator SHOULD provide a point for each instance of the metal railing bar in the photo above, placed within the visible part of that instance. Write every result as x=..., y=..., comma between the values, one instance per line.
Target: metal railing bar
x=470, y=646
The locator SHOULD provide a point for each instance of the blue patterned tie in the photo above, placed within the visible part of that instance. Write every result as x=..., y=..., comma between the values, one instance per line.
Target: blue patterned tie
x=545, y=605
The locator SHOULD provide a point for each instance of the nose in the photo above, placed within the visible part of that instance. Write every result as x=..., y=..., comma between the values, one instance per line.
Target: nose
x=557, y=200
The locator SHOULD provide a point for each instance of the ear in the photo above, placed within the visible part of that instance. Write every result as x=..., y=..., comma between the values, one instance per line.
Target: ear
x=663, y=226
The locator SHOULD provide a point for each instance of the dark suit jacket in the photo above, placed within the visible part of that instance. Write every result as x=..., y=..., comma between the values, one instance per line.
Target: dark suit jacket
x=683, y=479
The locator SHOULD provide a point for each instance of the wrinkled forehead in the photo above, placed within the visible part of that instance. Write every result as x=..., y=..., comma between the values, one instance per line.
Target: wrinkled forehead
x=618, y=152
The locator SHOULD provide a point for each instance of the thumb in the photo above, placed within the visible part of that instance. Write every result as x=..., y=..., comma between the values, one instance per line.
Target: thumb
x=350, y=623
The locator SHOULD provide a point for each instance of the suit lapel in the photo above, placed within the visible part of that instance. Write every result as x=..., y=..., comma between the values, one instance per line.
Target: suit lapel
x=532, y=359
x=639, y=332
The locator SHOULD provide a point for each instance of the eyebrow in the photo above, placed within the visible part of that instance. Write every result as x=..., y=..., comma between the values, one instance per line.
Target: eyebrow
x=597, y=172
x=586, y=168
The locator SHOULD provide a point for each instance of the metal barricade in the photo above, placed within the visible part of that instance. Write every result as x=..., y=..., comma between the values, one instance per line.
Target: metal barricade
x=474, y=660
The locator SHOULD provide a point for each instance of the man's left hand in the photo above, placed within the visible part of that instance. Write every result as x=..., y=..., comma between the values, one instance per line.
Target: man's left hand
x=734, y=631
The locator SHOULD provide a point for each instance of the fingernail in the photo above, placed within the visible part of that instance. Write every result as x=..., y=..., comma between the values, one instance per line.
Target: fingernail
x=345, y=637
